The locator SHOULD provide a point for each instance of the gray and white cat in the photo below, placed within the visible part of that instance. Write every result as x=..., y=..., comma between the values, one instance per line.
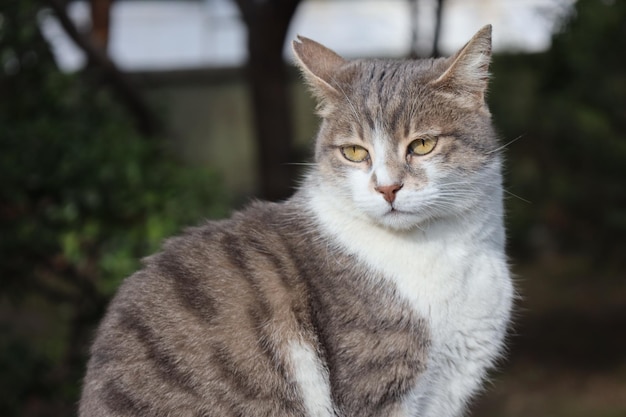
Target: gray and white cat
x=380, y=288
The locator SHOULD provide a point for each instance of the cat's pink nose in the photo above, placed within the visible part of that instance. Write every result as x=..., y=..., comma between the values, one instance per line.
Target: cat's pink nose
x=388, y=191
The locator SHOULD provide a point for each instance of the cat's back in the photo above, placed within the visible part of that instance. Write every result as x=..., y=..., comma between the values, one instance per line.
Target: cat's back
x=192, y=319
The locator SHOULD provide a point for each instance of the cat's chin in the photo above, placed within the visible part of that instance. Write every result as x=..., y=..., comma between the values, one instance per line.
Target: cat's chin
x=399, y=220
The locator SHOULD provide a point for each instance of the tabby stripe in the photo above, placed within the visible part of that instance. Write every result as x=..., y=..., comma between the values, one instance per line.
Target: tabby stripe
x=261, y=312
x=394, y=122
x=165, y=363
x=242, y=390
x=120, y=402
x=264, y=341
x=302, y=312
x=231, y=371
x=381, y=98
x=369, y=117
x=188, y=288
x=236, y=255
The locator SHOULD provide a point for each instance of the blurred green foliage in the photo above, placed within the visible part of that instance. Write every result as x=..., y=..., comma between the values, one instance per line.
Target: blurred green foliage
x=82, y=198
x=569, y=107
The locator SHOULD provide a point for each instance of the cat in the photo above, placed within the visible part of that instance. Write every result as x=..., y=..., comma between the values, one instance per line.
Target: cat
x=381, y=288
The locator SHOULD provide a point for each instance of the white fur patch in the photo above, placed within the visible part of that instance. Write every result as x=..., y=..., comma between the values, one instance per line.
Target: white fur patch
x=312, y=380
x=381, y=154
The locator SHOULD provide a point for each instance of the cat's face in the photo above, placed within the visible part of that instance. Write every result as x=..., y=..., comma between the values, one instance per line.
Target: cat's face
x=403, y=142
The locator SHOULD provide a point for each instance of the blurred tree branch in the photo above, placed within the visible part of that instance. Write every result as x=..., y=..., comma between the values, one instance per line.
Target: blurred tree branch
x=267, y=23
x=130, y=96
x=437, y=35
x=414, y=51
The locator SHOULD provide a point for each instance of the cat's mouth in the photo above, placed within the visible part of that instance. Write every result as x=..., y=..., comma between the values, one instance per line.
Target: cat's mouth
x=394, y=211
x=393, y=208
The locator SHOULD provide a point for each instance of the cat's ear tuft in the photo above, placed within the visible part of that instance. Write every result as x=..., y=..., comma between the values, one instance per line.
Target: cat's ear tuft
x=319, y=66
x=468, y=69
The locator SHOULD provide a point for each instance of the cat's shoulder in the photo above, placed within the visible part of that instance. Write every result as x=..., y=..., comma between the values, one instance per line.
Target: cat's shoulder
x=258, y=217
x=259, y=227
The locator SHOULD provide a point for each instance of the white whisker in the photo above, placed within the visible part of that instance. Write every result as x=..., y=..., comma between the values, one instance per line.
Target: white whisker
x=505, y=145
x=518, y=197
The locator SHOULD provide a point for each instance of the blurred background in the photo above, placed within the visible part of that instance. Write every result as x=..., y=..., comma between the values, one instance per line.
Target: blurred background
x=123, y=121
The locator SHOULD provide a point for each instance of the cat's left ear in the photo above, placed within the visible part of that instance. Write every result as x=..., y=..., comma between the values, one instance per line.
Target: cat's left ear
x=468, y=71
x=320, y=67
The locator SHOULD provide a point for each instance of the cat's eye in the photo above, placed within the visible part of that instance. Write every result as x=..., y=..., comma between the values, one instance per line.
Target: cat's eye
x=355, y=153
x=423, y=145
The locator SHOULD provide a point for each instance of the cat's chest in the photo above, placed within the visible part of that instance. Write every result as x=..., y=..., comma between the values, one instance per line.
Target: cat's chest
x=440, y=278
x=445, y=282
x=458, y=293
x=456, y=279
x=460, y=289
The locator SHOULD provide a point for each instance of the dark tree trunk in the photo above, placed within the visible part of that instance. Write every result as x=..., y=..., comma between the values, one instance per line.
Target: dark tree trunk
x=437, y=35
x=100, y=23
x=267, y=23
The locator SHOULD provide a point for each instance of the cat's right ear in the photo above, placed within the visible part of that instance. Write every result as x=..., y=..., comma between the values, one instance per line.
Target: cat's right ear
x=319, y=65
x=467, y=74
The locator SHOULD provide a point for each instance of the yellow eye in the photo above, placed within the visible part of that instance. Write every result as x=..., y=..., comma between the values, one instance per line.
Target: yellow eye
x=423, y=145
x=355, y=153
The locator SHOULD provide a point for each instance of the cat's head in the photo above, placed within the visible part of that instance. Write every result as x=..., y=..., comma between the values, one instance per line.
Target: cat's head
x=404, y=141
